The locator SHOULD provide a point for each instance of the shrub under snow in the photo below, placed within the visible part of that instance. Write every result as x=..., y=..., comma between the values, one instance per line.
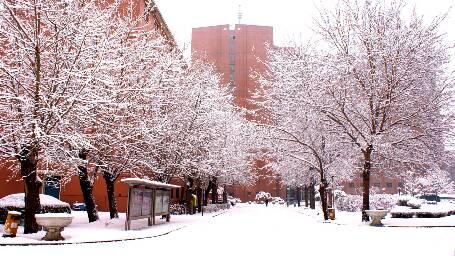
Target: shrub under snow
x=414, y=203
x=402, y=212
x=15, y=202
x=436, y=213
x=261, y=196
x=403, y=200
x=426, y=210
x=353, y=203
x=177, y=209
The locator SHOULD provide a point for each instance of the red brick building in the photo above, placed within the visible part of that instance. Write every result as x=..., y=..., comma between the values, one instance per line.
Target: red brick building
x=236, y=51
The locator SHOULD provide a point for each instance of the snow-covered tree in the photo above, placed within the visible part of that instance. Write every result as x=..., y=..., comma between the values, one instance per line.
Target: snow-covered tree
x=385, y=79
x=302, y=146
x=428, y=182
x=376, y=93
x=46, y=73
x=204, y=137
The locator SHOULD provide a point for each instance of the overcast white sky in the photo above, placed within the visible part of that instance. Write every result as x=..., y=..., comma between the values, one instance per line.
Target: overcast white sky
x=289, y=18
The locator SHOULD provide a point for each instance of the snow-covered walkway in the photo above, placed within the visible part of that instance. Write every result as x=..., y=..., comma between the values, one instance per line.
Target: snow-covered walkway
x=275, y=230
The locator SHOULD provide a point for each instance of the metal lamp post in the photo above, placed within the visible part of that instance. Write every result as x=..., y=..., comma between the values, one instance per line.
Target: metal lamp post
x=333, y=192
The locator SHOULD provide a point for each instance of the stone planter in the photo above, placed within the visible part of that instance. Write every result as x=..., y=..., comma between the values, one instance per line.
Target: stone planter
x=53, y=223
x=376, y=216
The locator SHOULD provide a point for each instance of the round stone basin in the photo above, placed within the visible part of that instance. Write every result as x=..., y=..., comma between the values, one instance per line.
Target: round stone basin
x=53, y=223
x=376, y=215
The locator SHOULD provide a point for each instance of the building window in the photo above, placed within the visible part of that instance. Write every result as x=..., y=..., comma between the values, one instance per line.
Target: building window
x=351, y=184
x=377, y=184
x=389, y=185
x=249, y=193
x=177, y=192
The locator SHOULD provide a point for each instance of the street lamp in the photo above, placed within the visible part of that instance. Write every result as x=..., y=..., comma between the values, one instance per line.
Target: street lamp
x=333, y=192
x=287, y=195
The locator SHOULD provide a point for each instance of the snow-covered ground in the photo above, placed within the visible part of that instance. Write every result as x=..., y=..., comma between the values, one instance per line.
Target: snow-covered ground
x=80, y=231
x=259, y=230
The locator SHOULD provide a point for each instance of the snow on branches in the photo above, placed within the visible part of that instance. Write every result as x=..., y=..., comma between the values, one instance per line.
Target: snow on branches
x=374, y=96
x=88, y=89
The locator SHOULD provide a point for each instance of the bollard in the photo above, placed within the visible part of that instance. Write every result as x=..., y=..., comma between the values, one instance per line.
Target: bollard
x=12, y=223
x=331, y=213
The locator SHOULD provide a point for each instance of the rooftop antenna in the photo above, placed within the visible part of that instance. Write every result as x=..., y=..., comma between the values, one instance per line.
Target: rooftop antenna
x=240, y=14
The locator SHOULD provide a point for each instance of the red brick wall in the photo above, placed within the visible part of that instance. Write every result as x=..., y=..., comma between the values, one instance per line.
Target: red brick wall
x=9, y=183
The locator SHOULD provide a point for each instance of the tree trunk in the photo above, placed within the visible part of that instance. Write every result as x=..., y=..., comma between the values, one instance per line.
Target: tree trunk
x=207, y=191
x=224, y=195
x=28, y=158
x=312, y=196
x=199, y=198
x=306, y=195
x=366, y=182
x=322, y=194
x=87, y=189
x=298, y=196
x=214, y=192
x=110, y=189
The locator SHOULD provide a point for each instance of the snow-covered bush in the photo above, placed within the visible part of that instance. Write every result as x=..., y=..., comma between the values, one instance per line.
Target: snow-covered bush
x=277, y=200
x=402, y=212
x=348, y=203
x=15, y=202
x=177, y=209
x=353, y=203
x=403, y=200
x=451, y=210
x=261, y=196
x=415, y=203
x=432, y=213
x=382, y=201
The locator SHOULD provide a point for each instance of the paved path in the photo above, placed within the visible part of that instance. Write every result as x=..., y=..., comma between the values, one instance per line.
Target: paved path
x=275, y=230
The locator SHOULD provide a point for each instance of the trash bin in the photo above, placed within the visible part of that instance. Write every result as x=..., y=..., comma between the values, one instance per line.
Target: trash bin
x=12, y=223
x=331, y=213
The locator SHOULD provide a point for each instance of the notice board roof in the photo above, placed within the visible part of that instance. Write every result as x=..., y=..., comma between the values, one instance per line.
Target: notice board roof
x=149, y=183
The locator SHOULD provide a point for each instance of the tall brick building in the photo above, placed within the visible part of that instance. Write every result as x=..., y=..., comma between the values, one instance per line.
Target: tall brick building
x=236, y=51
